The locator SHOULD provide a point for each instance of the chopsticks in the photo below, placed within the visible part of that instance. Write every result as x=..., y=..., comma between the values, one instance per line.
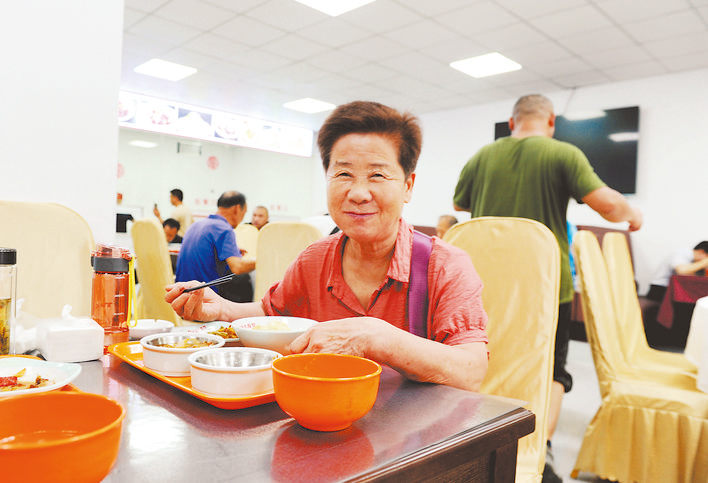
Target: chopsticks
x=217, y=281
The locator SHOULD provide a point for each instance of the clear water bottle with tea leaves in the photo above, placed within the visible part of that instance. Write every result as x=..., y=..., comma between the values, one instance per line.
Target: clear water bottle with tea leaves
x=8, y=294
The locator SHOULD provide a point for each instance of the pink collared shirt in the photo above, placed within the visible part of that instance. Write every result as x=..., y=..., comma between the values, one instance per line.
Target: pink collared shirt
x=314, y=287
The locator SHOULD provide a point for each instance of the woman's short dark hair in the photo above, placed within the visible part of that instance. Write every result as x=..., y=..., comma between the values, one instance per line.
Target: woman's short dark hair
x=364, y=117
x=231, y=198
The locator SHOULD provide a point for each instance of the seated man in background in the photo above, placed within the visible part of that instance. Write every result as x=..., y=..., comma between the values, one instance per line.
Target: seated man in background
x=259, y=218
x=171, y=227
x=682, y=262
x=445, y=222
x=209, y=250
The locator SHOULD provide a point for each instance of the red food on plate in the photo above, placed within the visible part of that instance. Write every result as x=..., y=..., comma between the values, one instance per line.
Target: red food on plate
x=8, y=381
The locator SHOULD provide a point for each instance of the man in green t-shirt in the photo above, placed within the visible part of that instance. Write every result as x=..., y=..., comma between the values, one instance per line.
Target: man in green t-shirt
x=532, y=175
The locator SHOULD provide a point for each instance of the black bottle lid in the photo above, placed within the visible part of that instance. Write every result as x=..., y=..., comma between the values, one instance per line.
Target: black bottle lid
x=110, y=265
x=8, y=256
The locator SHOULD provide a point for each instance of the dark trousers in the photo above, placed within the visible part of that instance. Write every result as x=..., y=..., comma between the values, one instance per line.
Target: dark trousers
x=239, y=289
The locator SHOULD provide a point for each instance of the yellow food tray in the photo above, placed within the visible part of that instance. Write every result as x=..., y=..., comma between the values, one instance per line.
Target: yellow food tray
x=132, y=353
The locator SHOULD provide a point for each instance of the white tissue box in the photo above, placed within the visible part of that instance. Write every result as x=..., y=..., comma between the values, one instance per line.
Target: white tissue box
x=71, y=340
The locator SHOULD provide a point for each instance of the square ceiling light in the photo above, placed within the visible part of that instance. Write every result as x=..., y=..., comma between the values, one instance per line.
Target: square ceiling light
x=309, y=105
x=165, y=70
x=485, y=65
x=142, y=144
x=334, y=7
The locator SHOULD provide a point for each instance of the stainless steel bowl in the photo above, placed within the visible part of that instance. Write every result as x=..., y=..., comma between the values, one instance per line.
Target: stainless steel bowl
x=173, y=361
x=233, y=371
x=173, y=338
x=238, y=357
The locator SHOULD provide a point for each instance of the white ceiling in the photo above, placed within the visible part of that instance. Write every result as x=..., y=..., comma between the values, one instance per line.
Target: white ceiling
x=254, y=55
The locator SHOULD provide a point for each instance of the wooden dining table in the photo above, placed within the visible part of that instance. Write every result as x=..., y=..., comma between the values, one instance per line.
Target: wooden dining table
x=415, y=432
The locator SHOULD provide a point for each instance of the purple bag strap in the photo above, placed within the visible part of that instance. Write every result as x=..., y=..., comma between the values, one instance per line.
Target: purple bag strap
x=418, y=285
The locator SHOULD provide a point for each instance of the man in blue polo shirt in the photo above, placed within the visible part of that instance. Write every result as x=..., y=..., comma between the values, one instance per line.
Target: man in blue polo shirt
x=209, y=250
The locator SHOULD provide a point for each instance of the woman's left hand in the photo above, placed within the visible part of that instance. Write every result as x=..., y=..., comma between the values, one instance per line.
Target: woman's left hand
x=354, y=336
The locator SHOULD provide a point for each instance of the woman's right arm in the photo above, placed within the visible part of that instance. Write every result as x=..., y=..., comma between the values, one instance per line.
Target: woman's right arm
x=205, y=305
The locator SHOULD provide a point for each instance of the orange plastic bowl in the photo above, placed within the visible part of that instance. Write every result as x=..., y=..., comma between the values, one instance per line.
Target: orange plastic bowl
x=325, y=392
x=59, y=437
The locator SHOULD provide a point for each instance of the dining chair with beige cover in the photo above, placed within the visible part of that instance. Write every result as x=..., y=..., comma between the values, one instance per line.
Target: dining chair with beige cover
x=518, y=261
x=644, y=431
x=629, y=314
x=154, y=270
x=247, y=239
x=279, y=243
x=626, y=331
x=54, y=245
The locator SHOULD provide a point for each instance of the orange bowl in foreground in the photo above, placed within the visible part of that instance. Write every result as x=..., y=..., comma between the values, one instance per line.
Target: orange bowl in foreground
x=325, y=392
x=59, y=437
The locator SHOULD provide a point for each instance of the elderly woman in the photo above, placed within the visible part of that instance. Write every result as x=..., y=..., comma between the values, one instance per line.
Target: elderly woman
x=356, y=282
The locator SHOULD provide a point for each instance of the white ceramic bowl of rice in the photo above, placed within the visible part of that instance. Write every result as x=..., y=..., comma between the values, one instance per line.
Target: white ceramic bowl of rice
x=273, y=333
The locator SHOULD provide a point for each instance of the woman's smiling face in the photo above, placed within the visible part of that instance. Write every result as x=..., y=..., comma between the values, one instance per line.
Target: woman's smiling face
x=367, y=187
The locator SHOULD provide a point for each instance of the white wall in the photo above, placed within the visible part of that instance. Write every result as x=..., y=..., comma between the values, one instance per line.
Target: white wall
x=672, y=171
x=58, y=103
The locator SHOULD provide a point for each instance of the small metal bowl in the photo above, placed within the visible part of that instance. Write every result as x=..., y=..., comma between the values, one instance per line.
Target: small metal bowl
x=232, y=371
x=173, y=361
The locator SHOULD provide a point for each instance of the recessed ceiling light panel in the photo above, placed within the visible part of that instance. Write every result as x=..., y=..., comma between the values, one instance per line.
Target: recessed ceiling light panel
x=485, y=65
x=334, y=7
x=163, y=69
x=142, y=144
x=309, y=105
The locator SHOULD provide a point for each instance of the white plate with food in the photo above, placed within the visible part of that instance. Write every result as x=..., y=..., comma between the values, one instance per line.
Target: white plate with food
x=271, y=332
x=27, y=375
x=220, y=328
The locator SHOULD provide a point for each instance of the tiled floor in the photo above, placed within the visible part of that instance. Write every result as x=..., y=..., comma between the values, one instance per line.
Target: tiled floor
x=579, y=407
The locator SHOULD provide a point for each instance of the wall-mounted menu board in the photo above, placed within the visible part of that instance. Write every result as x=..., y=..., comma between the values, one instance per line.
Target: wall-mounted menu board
x=157, y=115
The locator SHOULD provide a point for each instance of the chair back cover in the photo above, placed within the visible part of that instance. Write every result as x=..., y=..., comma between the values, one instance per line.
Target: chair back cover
x=598, y=311
x=247, y=239
x=152, y=261
x=645, y=430
x=279, y=243
x=606, y=332
x=54, y=247
x=518, y=261
x=629, y=313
